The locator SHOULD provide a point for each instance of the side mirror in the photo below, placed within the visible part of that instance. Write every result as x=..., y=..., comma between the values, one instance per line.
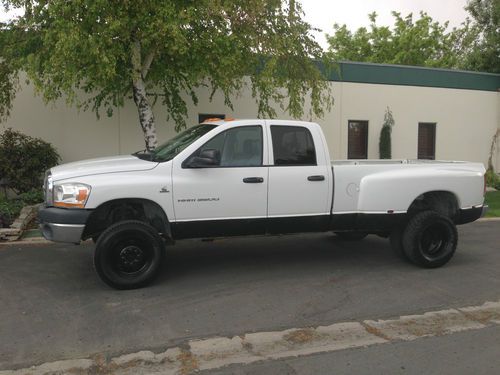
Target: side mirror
x=206, y=158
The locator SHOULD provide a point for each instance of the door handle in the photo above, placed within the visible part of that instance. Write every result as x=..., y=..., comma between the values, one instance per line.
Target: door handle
x=253, y=180
x=316, y=178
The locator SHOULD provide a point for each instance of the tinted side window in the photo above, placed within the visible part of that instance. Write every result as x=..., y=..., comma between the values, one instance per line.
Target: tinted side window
x=293, y=145
x=238, y=147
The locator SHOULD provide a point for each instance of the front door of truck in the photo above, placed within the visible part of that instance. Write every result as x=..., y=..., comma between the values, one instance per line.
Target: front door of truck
x=221, y=189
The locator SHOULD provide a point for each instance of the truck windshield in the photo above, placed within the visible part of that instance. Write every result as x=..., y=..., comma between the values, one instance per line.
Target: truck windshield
x=168, y=150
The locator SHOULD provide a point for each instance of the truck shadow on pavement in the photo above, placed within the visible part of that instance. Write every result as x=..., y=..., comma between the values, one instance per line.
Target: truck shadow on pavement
x=61, y=266
x=299, y=254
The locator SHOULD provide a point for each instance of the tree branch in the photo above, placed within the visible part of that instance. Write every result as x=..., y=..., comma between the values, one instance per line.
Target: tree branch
x=147, y=64
x=136, y=61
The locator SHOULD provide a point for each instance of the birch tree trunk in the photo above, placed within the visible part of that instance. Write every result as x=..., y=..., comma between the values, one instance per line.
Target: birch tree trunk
x=146, y=116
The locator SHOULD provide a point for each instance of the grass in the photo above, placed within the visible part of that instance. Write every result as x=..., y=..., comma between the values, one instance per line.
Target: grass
x=493, y=200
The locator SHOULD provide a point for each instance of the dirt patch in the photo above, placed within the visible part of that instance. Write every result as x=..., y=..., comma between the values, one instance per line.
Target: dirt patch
x=189, y=363
x=301, y=336
x=375, y=331
x=482, y=316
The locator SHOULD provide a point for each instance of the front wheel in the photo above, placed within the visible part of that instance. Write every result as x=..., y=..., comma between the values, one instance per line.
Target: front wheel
x=430, y=239
x=128, y=254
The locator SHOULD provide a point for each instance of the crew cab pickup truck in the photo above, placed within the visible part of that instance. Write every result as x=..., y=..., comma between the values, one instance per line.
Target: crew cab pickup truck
x=253, y=177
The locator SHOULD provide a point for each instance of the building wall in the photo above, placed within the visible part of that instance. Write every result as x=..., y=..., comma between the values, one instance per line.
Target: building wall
x=466, y=121
x=497, y=164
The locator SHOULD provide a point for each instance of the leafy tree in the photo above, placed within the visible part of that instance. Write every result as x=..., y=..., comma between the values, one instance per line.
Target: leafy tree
x=8, y=76
x=163, y=50
x=422, y=42
x=385, y=147
x=480, y=37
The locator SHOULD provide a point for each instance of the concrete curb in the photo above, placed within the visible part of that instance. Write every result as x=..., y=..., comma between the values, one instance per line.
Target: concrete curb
x=27, y=241
x=217, y=352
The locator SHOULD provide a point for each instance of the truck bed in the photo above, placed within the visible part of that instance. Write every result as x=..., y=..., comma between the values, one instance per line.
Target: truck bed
x=379, y=186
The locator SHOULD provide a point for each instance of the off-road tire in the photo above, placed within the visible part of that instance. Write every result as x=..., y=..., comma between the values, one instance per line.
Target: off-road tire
x=430, y=239
x=129, y=254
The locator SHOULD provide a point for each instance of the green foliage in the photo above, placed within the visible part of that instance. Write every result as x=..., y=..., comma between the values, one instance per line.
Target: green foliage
x=24, y=159
x=493, y=148
x=67, y=47
x=480, y=37
x=475, y=45
x=10, y=208
x=31, y=197
x=492, y=179
x=422, y=42
x=385, y=148
x=8, y=76
x=492, y=199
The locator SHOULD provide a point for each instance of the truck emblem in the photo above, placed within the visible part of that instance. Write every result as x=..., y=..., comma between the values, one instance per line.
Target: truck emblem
x=164, y=190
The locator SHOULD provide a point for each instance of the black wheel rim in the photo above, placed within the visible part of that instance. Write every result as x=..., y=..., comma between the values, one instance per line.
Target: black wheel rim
x=131, y=254
x=434, y=241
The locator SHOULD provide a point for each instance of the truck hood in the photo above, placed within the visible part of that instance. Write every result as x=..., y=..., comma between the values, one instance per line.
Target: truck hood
x=113, y=164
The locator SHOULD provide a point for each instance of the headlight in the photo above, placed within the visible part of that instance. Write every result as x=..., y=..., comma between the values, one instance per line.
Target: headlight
x=71, y=195
x=48, y=188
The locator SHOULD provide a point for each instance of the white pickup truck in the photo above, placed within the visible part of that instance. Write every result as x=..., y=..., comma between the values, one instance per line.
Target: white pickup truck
x=253, y=177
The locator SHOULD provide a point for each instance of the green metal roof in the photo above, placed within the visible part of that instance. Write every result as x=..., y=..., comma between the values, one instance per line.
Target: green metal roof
x=413, y=76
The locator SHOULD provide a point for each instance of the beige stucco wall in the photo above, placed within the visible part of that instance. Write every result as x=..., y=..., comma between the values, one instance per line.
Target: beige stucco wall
x=466, y=121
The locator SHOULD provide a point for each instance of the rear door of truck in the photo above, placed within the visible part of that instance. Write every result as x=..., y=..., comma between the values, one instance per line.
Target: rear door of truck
x=300, y=178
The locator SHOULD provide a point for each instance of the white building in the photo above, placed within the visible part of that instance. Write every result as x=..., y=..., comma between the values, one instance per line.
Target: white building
x=441, y=114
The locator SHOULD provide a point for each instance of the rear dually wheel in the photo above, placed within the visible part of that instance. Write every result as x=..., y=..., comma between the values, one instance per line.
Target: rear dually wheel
x=430, y=239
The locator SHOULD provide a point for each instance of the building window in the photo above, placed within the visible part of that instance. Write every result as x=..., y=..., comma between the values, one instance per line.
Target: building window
x=205, y=116
x=357, y=143
x=427, y=140
x=293, y=145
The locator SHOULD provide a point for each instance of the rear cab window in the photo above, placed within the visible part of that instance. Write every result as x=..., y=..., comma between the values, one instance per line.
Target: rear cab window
x=292, y=146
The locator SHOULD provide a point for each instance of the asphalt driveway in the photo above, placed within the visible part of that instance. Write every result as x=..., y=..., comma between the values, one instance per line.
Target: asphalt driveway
x=53, y=306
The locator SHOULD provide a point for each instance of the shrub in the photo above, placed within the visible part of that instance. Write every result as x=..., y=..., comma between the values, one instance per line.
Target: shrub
x=10, y=208
x=385, y=143
x=385, y=147
x=24, y=159
x=492, y=179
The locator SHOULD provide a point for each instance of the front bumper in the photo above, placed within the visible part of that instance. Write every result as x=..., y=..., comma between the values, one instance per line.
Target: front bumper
x=62, y=224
